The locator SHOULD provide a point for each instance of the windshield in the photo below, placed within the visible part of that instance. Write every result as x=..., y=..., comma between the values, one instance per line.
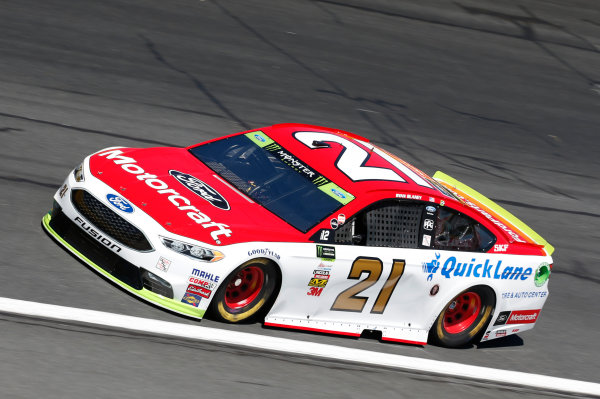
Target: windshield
x=273, y=177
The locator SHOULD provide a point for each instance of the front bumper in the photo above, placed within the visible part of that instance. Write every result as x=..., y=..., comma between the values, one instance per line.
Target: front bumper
x=104, y=261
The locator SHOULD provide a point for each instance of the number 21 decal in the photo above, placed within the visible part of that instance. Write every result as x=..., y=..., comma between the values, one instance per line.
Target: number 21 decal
x=353, y=158
x=349, y=301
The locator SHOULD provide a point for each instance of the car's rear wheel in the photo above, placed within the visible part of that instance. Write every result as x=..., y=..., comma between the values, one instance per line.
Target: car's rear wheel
x=246, y=292
x=464, y=317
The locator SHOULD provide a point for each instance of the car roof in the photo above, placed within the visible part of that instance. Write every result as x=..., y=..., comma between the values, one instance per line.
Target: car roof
x=352, y=162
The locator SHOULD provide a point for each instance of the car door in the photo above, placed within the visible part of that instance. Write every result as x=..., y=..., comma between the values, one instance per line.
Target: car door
x=374, y=270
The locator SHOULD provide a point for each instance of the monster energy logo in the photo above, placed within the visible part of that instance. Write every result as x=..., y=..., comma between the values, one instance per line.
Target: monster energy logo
x=272, y=147
x=319, y=181
x=325, y=252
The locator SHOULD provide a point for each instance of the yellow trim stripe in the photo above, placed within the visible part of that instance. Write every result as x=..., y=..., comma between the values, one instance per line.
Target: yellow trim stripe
x=508, y=217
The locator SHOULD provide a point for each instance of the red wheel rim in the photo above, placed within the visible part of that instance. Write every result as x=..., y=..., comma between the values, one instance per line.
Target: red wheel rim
x=244, y=287
x=462, y=312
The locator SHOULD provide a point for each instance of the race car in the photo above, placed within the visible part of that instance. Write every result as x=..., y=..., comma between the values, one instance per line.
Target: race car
x=304, y=227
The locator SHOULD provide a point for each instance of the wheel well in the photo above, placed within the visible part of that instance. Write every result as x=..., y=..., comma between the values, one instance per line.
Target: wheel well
x=485, y=287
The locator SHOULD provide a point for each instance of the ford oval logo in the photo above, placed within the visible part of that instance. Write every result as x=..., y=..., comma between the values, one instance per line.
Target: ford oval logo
x=119, y=202
x=430, y=209
x=259, y=138
x=201, y=189
x=339, y=194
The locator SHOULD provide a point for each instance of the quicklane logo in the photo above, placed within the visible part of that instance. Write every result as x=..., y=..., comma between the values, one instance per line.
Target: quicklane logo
x=119, y=202
x=452, y=268
x=201, y=189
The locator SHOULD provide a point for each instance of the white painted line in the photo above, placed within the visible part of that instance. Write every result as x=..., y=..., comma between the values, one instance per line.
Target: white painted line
x=284, y=345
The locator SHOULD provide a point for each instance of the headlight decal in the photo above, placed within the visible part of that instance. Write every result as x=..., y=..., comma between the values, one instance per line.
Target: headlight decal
x=193, y=251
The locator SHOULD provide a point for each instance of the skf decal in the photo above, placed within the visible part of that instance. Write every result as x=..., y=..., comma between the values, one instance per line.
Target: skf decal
x=182, y=203
x=500, y=247
x=475, y=268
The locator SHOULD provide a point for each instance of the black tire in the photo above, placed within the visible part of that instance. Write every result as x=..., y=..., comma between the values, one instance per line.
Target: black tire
x=464, y=317
x=246, y=293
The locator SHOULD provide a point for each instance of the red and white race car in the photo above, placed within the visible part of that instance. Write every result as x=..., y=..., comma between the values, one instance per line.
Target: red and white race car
x=312, y=228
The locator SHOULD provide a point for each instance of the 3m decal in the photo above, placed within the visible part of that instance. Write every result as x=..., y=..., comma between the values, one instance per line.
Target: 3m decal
x=201, y=189
x=349, y=301
x=182, y=203
x=476, y=268
x=314, y=291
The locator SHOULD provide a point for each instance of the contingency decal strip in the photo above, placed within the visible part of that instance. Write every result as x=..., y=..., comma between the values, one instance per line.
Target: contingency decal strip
x=150, y=296
x=303, y=348
x=503, y=213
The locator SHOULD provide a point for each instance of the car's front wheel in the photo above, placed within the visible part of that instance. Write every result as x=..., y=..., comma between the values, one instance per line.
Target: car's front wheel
x=246, y=291
x=464, y=317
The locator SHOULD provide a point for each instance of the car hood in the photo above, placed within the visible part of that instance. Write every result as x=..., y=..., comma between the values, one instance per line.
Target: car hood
x=186, y=197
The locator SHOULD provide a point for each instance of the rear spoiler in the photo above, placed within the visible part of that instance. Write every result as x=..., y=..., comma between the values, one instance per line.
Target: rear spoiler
x=496, y=210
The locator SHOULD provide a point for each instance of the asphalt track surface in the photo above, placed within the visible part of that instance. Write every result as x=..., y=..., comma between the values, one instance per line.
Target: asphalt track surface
x=504, y=96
